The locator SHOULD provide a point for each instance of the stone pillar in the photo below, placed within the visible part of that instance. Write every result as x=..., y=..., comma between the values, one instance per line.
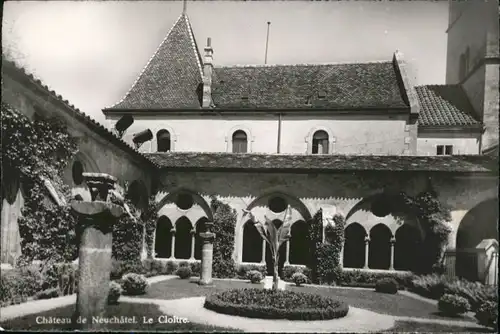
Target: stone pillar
x=207, y=255
x=172, y=245
x=367, y=249
x=263, y=260
x=287, y=253
x=341, y=255
x=95, y=226
x=193, y=239
x=393, y=241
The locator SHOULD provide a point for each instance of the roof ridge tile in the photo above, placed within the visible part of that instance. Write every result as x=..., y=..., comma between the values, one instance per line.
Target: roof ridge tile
x=303, y=64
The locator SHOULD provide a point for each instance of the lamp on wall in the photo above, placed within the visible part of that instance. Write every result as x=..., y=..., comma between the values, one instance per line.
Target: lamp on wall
x=123, y=124
x=142, y=137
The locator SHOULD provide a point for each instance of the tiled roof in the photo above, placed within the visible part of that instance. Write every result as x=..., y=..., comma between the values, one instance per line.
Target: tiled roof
x=187, y=161
x=332, y=86
x=173, y=76
x=445, y=105
x=87, y=120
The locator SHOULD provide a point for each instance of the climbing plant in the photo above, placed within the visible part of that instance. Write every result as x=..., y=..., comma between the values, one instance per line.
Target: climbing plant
x=35, y=151
x=149, y=217
x=433, y=217
x=224, y=226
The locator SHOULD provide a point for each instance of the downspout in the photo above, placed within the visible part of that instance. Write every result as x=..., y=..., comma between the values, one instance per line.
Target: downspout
x=279, y=133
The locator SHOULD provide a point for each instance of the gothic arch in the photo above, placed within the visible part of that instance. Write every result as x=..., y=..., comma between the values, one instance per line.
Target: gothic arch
x=198, y=203
x=354, y=246
x=229, y=137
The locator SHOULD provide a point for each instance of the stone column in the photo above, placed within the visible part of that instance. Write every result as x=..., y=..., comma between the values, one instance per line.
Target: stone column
x=341, y=255
x=207, y=255
x=393, y=241
x=287, y=253
x=367, y=248
x=263, y=260
x=172, y=245
x=95, y=225
x=193, y=239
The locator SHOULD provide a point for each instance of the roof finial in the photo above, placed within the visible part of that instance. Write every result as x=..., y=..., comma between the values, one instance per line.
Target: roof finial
x=184, y=7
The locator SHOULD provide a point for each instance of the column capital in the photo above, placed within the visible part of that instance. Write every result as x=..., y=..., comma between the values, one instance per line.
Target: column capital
x=367, y=239
x=172, y=230
x=393, y=240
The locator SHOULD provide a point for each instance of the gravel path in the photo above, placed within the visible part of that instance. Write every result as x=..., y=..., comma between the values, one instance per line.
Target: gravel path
x=357, y=320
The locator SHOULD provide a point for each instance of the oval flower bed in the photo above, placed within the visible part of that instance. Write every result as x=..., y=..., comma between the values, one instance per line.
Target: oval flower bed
x=269, y=304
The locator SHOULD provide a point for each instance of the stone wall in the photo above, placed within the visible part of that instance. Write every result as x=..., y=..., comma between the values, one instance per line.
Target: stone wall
x=96, y=152
x=348, y=134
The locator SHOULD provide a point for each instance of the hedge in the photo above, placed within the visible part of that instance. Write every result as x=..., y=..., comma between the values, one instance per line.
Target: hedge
x=270, y=304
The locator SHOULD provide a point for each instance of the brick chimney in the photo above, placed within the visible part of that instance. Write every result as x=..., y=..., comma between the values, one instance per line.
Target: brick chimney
x=207, y=75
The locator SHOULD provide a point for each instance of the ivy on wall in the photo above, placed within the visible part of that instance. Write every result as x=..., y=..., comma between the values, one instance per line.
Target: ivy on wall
x=433, y=217
x=224, y=229
x=35, y=151
x=325, y=261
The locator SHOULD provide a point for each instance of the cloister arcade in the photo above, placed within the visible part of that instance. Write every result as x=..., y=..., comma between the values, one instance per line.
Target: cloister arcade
x=181, y=219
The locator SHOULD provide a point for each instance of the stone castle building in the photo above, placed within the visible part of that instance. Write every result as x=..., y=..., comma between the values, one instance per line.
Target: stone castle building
x=333, y=137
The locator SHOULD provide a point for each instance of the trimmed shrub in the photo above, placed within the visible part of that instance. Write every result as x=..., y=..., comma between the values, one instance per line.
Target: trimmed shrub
x=289, y=270
x=487, y=314
x=17, y=284
x=453, y=305
x=299, y=279
x=254, y=276
x=195, y=268
x=386, y=285
x=48, y=293
x=360, y=278
x=134, y=284
x=327, y=267
x=171, y=267
x=243, y=270
x=184, y=272
x=115, y=291
x=223, y=227
x=270, y=304
x=119, y=268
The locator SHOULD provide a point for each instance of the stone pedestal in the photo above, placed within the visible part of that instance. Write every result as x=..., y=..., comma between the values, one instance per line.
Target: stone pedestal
x=95, y=224
x=207, y=256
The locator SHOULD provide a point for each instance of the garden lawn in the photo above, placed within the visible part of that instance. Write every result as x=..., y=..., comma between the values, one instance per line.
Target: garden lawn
x=28, y=322
x=176, y=288
x=397, y=304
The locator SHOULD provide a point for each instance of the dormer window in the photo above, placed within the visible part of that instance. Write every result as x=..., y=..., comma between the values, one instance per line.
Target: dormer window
x=322, y=94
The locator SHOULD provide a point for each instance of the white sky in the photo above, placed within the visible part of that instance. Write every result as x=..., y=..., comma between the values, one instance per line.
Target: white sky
x=91, y=52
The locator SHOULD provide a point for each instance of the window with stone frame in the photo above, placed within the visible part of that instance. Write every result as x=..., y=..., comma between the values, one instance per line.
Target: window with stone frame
x=444, y=150
x=320, y=142
x=163, y=141
x=240, y=142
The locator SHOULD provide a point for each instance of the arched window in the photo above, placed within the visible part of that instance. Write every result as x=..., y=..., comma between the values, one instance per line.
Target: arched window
x=163, y=238
x=200, y=228
x=320, y=142
x=163, y=140
x=240, y=142
x=354, y=246
x=77, y=172
x=183, y=238
x=405, y=254
x=252, y=243
x=379, y=256
x=299, y=247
